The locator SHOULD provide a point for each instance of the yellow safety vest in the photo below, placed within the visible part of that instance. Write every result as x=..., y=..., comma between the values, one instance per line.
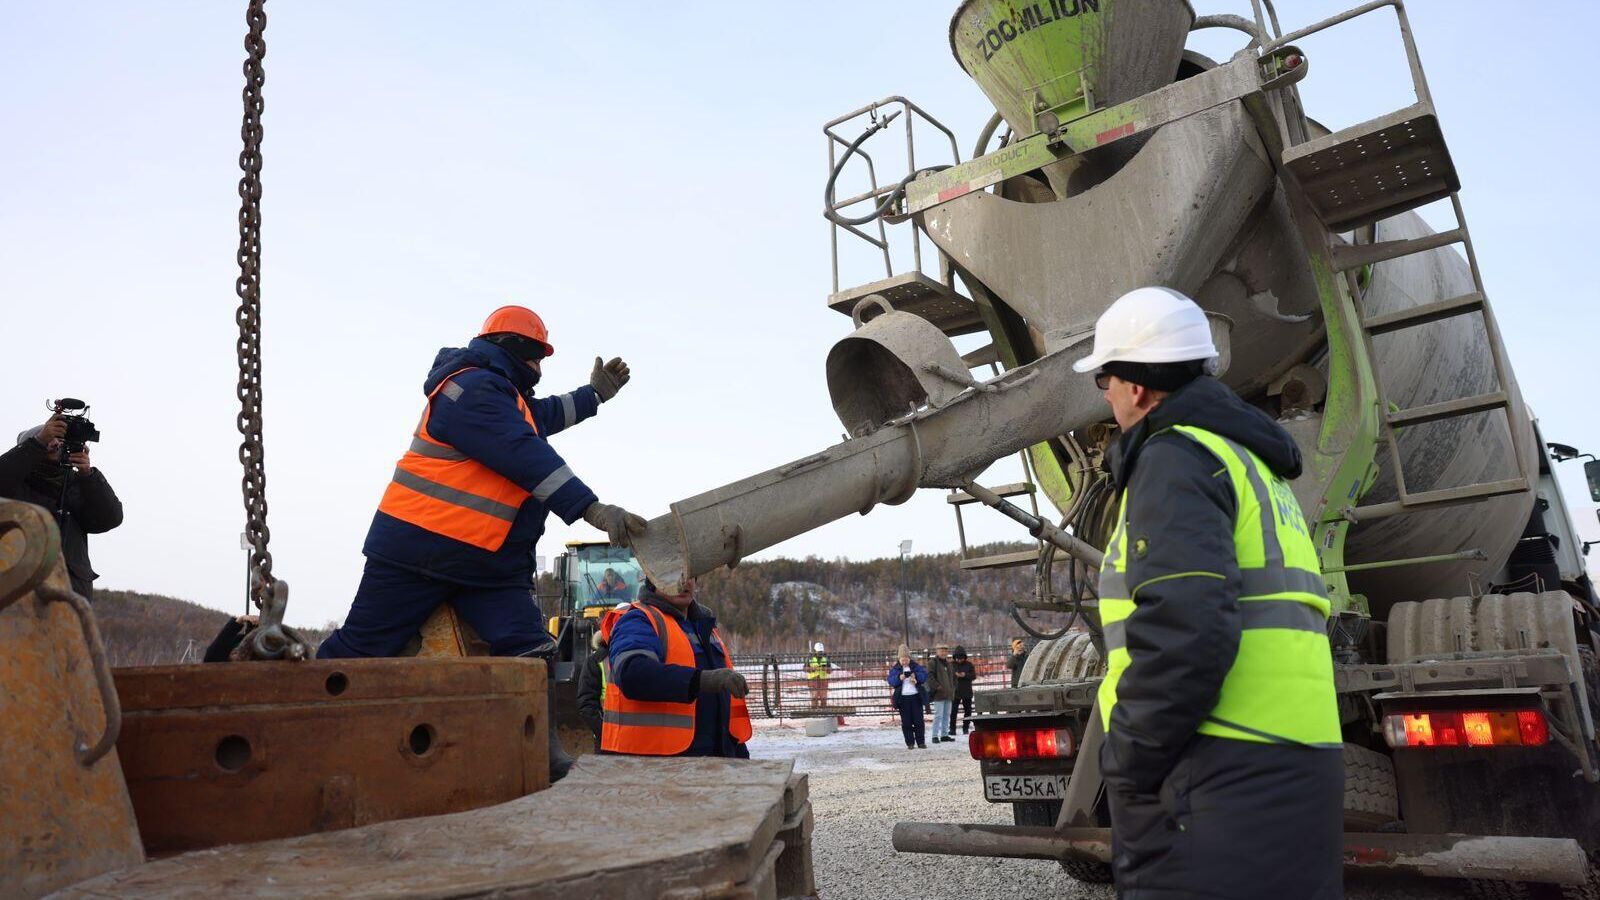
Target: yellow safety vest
x=817, y=667
x=1280, y=689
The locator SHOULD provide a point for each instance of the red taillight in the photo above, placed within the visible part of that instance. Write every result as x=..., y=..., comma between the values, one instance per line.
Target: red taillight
x=1473, y=728
x=1028, y=743
x=1532, y=728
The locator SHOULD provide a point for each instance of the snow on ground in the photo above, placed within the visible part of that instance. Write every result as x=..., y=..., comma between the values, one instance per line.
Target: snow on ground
x=863, y=780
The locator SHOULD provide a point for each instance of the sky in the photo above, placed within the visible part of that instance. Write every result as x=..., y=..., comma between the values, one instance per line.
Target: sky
x=648, y=177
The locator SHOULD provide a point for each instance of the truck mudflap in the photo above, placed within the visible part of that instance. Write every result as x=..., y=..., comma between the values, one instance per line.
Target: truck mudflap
x=1479, y=857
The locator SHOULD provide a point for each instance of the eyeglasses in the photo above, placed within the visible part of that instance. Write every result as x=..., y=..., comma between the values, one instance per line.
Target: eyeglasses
x=1102, y=380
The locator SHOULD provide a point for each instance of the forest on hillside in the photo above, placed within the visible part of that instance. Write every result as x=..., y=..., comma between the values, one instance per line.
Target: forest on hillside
x=763, y=606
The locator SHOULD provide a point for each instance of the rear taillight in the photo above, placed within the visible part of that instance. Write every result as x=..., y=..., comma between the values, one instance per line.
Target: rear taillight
x=1467, y=728
x=1027, y=743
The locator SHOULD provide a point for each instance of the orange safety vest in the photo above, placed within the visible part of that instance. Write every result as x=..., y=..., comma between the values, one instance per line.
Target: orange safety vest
x=663, y=729
x=440, y=489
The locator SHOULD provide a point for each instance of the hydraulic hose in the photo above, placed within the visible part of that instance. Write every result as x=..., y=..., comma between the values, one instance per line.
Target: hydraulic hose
x=888, y=201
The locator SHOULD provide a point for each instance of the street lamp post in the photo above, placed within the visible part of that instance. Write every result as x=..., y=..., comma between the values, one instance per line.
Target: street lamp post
x=905, y=609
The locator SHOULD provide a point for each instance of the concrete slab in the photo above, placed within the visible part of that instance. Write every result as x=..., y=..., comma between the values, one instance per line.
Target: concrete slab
x=821, y=727
x=617, y=827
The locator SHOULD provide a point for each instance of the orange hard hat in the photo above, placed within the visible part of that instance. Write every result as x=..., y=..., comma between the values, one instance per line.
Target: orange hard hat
x=518, y=320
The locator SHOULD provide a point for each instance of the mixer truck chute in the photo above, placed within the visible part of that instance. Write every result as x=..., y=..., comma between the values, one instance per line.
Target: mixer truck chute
x=1464, y=626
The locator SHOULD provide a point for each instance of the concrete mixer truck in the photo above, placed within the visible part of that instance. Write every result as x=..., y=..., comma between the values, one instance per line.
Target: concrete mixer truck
x=1464, y=625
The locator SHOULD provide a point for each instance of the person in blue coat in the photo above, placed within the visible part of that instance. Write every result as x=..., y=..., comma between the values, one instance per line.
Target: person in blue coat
x=908, y=678
x=468, y=500
x=638, y=666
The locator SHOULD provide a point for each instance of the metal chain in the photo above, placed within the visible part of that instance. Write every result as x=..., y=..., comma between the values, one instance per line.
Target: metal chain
x=248, y=287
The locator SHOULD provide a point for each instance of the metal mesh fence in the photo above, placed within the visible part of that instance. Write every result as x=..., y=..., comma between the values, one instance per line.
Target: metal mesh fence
x=858, y=684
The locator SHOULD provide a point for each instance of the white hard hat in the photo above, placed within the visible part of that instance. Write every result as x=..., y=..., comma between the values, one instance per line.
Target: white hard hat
x=817, y=646
x=1150, y=325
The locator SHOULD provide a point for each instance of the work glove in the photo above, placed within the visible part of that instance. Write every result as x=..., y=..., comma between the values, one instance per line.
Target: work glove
x=608, y=378
x=723, y=681
x=618, y=524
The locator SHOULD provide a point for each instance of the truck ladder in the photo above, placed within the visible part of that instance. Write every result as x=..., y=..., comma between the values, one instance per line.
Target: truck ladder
x=1373, y=171
x=1349, y=259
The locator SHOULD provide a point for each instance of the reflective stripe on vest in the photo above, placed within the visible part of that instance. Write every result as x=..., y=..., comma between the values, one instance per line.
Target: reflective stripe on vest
x=1280, y=688
x=661, y=728
x=440, y=489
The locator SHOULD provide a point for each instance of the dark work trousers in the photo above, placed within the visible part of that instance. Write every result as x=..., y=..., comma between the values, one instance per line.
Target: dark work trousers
x=911, y=724
x=1234, y=820
x=958, y=704
x=392, y=603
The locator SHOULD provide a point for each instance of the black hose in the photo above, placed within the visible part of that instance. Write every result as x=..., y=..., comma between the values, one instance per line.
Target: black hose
x=889, y=200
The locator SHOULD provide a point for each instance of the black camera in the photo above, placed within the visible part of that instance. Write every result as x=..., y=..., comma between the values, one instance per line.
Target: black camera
x=80, y=430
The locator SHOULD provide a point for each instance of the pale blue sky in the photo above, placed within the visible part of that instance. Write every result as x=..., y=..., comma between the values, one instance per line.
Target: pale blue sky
x=647, y=176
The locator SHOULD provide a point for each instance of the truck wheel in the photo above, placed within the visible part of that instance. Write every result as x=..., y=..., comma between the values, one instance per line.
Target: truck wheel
x=1370, y=798
x=1043, y=813
x=1071, y=657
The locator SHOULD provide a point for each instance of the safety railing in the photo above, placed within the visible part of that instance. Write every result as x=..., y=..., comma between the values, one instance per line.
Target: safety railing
x=879, y=115
x=857, y=684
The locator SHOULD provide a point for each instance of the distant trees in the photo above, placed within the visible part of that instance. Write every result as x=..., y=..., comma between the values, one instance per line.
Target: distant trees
x=766, y=606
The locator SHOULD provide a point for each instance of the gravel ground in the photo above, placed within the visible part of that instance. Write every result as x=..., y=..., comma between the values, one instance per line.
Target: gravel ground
x=863, y=780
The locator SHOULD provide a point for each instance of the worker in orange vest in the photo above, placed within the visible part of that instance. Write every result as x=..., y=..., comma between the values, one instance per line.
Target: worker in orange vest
x=673, y=689
x=467, y=502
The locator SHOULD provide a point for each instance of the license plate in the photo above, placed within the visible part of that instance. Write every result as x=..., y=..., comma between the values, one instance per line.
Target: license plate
x=1024, y=787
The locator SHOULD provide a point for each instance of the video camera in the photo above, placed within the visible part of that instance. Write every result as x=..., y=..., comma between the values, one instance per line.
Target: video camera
x=80, y=430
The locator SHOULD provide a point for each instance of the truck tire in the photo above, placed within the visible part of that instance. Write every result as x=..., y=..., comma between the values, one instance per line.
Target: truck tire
x=1071, y=657
x=1043, y=813
x=1493, y=622
x=1370, y=798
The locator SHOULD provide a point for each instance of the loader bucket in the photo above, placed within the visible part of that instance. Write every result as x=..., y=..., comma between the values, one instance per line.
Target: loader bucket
x=1062, y=59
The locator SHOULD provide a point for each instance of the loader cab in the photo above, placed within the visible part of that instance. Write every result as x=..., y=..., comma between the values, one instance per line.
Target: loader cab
x=596, y=576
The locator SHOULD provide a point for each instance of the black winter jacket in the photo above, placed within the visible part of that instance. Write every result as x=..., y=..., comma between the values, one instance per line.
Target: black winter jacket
x=1184, y=632
x=27, y=473
x=966, y=673
x=590, y=707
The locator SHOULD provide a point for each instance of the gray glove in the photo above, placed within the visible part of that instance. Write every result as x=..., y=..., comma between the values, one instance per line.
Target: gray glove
x=618, y=524
x=723, y=681
x=608, y=378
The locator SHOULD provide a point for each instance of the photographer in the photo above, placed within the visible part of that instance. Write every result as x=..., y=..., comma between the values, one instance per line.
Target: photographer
x=38, y=471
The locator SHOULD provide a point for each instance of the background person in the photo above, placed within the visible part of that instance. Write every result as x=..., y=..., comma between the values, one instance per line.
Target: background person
x=941, y=692
x=818, y=668
x=73, y=490
x=1019, y=655
x=596, y=674
x=906, y=681
x=966, y=676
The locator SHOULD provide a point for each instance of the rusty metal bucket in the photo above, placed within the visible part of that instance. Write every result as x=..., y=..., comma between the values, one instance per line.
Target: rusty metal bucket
x=236, y=752
x=67, y=813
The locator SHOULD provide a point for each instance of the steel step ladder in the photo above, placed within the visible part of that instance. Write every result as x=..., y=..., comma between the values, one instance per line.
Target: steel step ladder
x=1372, y=171
x=1475, y=302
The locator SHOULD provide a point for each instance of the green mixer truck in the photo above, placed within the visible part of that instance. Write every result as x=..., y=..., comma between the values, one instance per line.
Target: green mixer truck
x=1464, y=622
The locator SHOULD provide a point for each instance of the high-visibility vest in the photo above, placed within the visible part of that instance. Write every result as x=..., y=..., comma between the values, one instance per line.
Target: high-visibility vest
x=817, y=667
x=1280, y=688
x=647, y=728
x=605, y=679
x=440, y=489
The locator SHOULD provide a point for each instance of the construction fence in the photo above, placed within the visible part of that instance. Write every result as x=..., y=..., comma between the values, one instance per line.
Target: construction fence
x=857, y=685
